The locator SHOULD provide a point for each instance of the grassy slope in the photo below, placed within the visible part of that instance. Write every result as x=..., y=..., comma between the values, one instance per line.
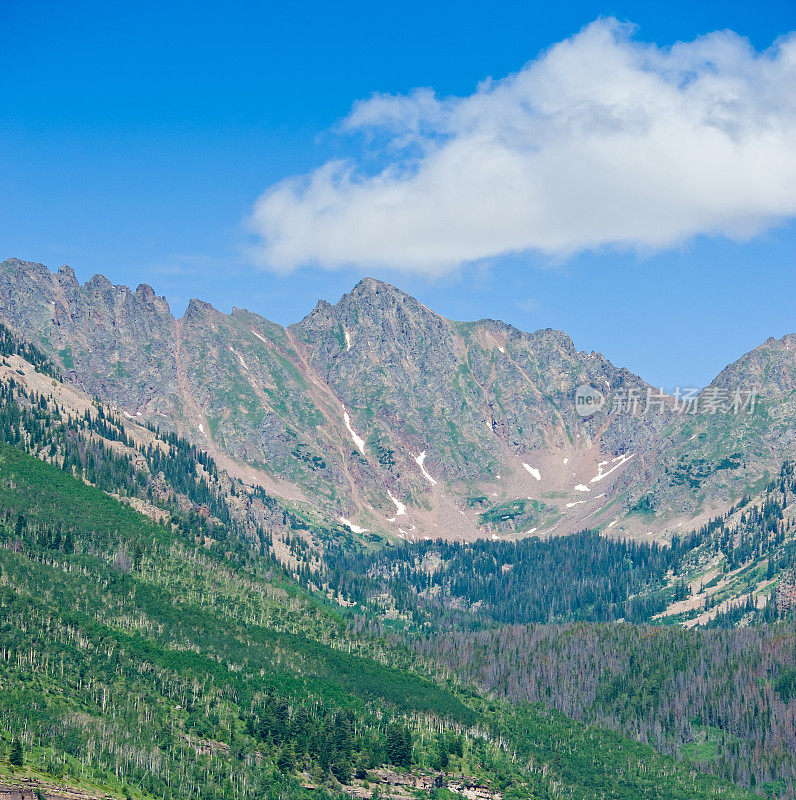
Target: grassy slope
x=108, y=672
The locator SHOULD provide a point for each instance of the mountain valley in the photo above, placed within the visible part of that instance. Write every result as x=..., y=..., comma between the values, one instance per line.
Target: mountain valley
x=380, y=553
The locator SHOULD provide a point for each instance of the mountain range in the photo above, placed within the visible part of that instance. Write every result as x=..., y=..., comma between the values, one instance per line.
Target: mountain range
x=215, y=579
x=379, y=416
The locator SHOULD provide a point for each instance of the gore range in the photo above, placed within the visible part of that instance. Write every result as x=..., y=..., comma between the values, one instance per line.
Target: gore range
x=381, y=551
x=381, y=416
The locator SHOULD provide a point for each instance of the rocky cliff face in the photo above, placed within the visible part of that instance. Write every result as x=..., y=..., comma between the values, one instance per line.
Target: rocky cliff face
x=381, y=413
x=116, y=343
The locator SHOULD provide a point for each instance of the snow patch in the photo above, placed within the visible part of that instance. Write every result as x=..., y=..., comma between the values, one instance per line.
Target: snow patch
x=399, y=506
x=201, y=428
x=613, y=522
x=358, y=440
x=501, y=348
x=240, y=358
x=494, y=537
x=576, y=503
x=581, y=488
x=261, y=338
x=566, y=461
x=533, y=470
x=354, y=528
x=419, y=461
x=347, y=340
x=617, y=462
x=532, y=530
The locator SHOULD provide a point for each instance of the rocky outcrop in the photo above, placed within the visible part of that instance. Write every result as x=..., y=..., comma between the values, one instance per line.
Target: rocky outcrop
x=30, y=789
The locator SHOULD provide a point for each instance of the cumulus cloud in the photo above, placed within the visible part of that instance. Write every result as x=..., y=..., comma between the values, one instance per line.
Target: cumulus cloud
x=600, y=141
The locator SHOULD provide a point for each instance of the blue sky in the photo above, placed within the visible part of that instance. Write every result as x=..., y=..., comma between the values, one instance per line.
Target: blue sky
x=135, y=140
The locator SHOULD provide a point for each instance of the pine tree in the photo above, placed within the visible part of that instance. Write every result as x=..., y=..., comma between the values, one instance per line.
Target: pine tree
x=443, y=758
x=399, y=746
x=394, y=744
x=286, y=760
x=16, y=755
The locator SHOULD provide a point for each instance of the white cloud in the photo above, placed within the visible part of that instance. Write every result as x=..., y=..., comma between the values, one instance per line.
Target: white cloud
x=599, y=141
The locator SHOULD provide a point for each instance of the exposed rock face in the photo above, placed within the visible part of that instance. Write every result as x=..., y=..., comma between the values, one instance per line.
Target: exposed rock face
x=117, y=343
x=30, y=789
x=473, y=395
x=338, y=410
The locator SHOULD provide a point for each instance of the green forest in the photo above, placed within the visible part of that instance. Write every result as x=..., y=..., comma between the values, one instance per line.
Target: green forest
x=169, y=654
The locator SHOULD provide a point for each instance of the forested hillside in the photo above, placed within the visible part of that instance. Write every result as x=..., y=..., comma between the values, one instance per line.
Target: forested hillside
x=438, y=583
x=169, y=631
x=136, y=660
x=725, y=698
x=160, y=473
x=740, y=566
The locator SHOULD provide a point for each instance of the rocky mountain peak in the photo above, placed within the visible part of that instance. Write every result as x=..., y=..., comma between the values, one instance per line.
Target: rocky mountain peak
x=98, y=284
x=146, y=294
x=323, y=308
x=374, y=296
x=198, y=309
x=770, y=367
x=66, y=275
x=373, y=286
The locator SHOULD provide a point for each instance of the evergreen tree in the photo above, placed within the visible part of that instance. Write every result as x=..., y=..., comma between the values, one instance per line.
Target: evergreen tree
x=443, y=758
x=286, y=760
x=16, y=755
x=399, y=745
x=361, y=771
